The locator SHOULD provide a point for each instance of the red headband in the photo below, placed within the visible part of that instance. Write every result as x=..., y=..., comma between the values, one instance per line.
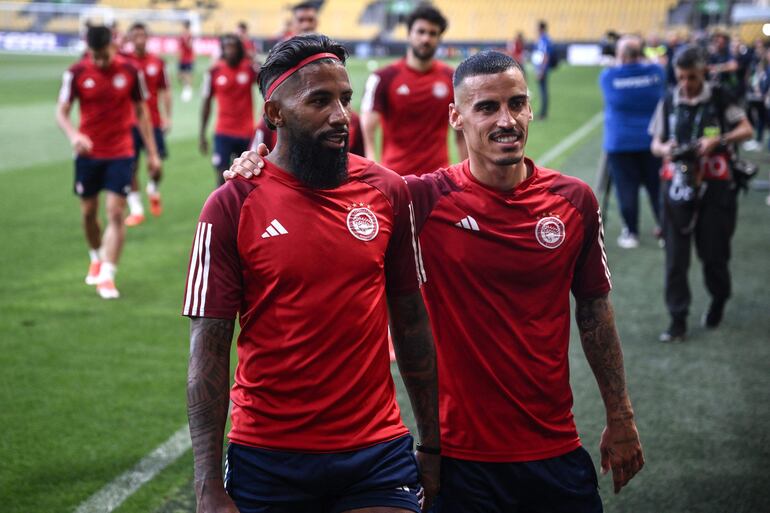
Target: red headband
x=304, y=62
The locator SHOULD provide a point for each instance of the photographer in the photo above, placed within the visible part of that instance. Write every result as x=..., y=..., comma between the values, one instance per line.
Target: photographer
x=694, y=129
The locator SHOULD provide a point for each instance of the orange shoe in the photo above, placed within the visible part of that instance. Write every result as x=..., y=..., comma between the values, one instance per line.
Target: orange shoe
x=92, y=278
x=106, y=289
x=134, y=219
x=156, y=207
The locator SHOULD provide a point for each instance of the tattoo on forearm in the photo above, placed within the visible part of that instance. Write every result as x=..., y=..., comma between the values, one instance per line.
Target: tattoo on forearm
x=416, y=357
x=208, y=393
x=601, y=344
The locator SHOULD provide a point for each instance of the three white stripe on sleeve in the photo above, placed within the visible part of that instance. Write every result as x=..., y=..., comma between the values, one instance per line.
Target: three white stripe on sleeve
x=198, y=274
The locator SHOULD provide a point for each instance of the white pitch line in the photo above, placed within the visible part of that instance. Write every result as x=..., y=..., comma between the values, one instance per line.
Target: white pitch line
x=570, y=140
x=122, y=487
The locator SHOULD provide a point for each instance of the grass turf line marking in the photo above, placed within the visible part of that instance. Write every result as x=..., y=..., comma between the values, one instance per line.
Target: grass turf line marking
x=122, y=487
x=570, y=140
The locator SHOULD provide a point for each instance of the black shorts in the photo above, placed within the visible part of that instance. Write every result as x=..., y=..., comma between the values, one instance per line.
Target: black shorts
x=160, y=141
x=185, y=66
x=226, y=148
x=384, y=475
x=565, y=484
x=93, y=175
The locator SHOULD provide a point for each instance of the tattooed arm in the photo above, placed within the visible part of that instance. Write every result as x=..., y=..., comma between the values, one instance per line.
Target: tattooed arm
x=416, y=357
x=620, y=447
x=208, y=398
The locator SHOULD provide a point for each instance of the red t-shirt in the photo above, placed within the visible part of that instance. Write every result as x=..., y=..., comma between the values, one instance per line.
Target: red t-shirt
x=232, y=88
x=263, y=134
x=500, y=267
x=107, y=100
x=186, y=53
x=308, y=271
x=414, y=108
x=154, y=70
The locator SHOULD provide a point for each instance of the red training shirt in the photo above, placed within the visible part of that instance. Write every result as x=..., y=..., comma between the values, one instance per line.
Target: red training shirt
x=500, y=268
x=186, y=53
x=307, y=271
x=414, y=108
x=232, y=88
x=107, y=101
x=154, y=70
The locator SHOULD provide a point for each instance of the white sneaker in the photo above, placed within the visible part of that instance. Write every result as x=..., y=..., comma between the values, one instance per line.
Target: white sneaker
x=628, y=240
x=187, y=94
x=751, y=145
x=107, y=290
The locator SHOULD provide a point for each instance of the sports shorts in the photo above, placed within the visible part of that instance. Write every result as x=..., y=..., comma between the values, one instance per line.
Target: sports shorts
x=565, y=484
x=185, y=66
x=226, y=148
x=160, y=141
x=384, y=475
x=93, y=175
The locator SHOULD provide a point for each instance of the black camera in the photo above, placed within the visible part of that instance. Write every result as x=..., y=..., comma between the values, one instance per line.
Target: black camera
x=686, y=162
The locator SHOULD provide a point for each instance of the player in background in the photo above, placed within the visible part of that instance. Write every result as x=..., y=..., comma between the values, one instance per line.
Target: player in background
x=230, y=80
x=110, y=91
x=543, y=57
x=504, y=242
x=249, y=50
x=315, y=422
x=304, y=18
x=186, y=61
x=409, y=100
x=159, y=103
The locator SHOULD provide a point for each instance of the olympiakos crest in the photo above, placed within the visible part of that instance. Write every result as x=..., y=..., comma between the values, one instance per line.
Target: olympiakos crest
x=221, y=80
x=363, y=224
x=550, y=232
x=152, y=70
x=119, y=81
x=89, y=83
x=440, y=90
x=242, y=77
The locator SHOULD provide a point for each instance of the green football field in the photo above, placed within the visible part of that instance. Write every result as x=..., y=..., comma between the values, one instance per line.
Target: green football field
x=89, y=388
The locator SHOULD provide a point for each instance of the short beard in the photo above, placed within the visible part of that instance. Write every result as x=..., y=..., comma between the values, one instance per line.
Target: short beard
x=314, y=164
x=424, y=55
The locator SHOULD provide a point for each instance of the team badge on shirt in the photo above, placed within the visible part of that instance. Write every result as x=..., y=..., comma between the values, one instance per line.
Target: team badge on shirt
x=119, y=81
x=221, y=80
x=152, y=70
x=440, y=90
x=550, y=232
x=242, y=77
x=403, y=90
x=362, y=223
x=89, y=83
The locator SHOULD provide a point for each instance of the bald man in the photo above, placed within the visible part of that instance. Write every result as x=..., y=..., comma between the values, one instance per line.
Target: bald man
x=631, y=91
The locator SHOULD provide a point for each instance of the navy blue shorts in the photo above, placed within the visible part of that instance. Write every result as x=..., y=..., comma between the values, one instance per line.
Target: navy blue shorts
x=565, y=484
x=93, y=175
x=160, y=141
x=185, y=66
x=262, y=481
x=226, y=148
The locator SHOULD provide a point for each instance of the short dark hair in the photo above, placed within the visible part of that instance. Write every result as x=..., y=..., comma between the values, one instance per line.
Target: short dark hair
x=305, y=5
x=98, y=37
x=487, y=62
x=689, y=57
x=289, y=53
x=232, y=38
x=542, y=25
x=138, y=25
x=428, y=13
x=243, y=25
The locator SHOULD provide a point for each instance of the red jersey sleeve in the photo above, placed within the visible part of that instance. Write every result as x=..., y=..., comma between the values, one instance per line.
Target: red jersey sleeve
x=214, y=280
x=139, y=91
x=592, y=274
x=163, y=80
x=404, y=272
x=375, y=97
x=426, y=190
x=68, y=91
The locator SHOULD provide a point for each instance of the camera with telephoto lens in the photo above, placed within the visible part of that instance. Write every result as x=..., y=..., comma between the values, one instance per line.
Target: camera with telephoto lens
x=686, y=162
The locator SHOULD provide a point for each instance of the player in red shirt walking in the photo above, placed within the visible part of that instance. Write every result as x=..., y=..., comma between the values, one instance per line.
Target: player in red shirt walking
x=186, y=61
x=312, y=257
x=410, y=99
x=159, y=103
x=230, y=80
x=111, y=91
x=517, y=239
x=249, y=50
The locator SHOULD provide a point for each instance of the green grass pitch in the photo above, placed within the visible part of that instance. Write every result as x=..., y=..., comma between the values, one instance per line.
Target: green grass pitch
x=88, y=387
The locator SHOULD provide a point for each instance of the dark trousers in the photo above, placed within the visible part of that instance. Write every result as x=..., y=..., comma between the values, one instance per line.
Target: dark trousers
x=629, y=171
x=758, y=117
x=713, y=229
x=543, y=84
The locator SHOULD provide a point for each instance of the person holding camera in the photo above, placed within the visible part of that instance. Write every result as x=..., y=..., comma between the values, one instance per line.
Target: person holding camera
x=694, y=129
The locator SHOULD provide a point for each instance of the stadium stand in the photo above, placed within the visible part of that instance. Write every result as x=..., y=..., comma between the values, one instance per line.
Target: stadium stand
x=340, y=19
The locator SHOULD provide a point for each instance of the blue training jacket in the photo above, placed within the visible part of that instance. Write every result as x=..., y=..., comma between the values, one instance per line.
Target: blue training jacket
x=631, y=93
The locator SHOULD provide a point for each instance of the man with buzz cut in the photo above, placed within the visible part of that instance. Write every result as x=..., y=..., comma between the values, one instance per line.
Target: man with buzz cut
x=504, y=243
x=409, y=100
x=110, y=91
x=315, y=258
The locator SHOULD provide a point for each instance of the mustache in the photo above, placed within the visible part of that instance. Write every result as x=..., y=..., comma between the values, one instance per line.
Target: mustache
x=506, y=131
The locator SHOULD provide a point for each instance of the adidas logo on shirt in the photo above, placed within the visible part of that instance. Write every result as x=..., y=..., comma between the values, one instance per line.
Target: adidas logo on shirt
x=468, y=223
x=274, y=229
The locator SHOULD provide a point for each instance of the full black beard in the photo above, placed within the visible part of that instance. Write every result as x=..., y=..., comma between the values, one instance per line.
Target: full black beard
x=314, y=164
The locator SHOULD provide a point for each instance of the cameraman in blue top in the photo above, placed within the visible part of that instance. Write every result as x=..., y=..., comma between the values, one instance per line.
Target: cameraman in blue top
x=694, y=129
x=631, y=91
